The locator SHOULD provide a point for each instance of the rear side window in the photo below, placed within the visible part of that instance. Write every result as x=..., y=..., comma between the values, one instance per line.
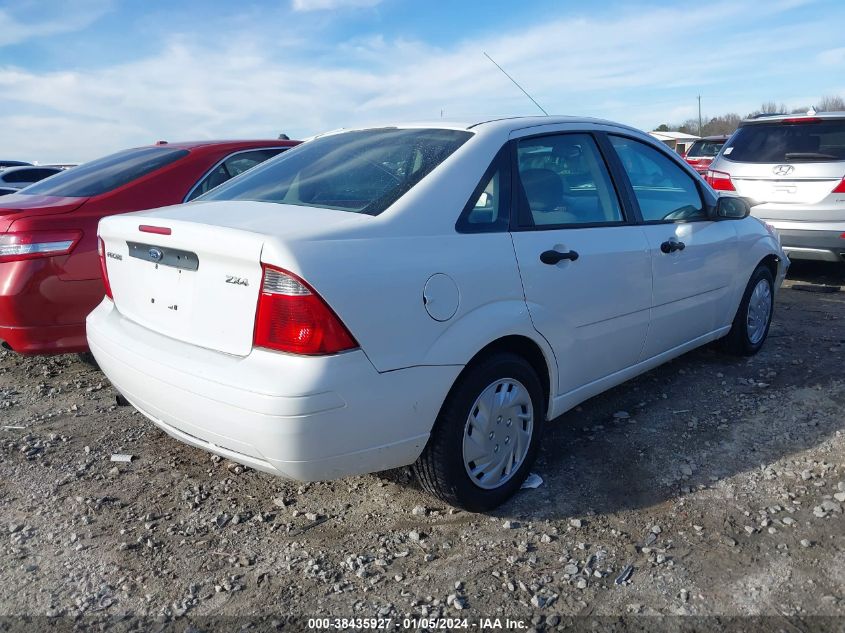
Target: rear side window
x=705, y=149
x=488, y=209
x=364, y=171
x=564, y=182
x=664, y=191
x=107, y=173
x=776, y=142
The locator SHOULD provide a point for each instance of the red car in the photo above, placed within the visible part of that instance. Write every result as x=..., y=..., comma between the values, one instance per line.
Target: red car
x=49, y=268
x=703, y=151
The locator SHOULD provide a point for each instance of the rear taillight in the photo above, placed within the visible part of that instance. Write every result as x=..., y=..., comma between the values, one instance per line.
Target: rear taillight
x=291, y=317
x=101, y=251
x=840, y=188
x=34, y=244
x=719, y=180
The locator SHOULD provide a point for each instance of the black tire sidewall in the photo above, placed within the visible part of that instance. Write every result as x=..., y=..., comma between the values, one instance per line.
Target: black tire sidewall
x=742, y=316
x=452, y=421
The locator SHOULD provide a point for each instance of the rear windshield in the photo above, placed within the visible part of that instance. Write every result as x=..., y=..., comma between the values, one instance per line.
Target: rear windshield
x=776, y=142
x=107, y=173
x=363, y=171
x=705, y=149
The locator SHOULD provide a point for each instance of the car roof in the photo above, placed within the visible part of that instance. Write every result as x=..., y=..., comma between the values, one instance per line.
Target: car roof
x=10, y=170
x=225, y=144
x=768, y=118
x=501, y=124
x=717, y=137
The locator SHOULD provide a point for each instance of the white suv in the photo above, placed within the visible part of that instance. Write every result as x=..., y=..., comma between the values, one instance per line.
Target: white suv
x=794, y=166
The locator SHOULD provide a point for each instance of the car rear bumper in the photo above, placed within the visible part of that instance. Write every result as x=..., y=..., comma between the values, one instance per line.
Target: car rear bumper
x=42, y=313
x=816, y=241
x=308, y=418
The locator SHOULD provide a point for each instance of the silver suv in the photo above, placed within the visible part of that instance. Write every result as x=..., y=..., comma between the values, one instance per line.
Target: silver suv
x=794, y=167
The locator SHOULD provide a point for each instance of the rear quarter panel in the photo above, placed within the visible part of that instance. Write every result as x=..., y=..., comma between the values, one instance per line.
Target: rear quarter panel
x=376, y=287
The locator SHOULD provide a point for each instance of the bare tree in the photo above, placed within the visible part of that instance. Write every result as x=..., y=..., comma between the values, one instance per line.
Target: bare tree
x=770, y=107
x=831, y=104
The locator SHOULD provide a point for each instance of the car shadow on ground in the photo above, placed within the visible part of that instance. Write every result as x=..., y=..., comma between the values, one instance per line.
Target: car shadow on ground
x=695, y=422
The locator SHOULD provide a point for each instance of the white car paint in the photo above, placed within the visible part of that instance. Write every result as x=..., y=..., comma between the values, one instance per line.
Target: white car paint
x=621, y=309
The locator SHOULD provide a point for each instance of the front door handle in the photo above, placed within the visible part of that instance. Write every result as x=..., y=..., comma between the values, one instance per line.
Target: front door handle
x=553, y=257
x=670, y=246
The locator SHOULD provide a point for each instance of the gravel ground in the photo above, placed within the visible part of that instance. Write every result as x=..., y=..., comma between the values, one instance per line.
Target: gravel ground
x=710, y=486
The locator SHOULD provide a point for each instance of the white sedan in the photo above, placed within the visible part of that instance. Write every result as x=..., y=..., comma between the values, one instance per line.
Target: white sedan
x=426, y=295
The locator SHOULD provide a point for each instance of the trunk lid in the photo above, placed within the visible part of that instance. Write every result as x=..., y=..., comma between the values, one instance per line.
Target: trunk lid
x=200, y=283
x=17, y=206
x=803, y=183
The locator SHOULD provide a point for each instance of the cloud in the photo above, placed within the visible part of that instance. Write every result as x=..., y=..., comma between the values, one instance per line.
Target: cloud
x=637, y=68
x=324, y=5
x=64, y=17
x=832, y=57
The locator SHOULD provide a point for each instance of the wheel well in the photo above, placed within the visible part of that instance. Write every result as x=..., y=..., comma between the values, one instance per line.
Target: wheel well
x=771, y=262
x=527, y=349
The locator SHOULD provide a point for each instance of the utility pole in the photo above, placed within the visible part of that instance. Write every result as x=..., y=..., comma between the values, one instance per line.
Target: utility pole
x=699, y=115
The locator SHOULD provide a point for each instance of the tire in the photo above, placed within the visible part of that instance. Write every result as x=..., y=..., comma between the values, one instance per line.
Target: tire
x=88, y=359
x=443, y=469
x=744, y=338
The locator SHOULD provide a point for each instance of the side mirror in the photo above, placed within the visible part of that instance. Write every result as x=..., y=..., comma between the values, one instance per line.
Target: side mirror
x=732, y=208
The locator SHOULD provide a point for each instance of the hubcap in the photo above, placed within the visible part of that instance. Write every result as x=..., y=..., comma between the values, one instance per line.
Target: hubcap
x=497, y=433
x=759, y=311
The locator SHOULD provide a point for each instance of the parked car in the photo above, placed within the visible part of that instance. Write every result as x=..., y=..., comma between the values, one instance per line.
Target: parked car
x=20, y=177
x=424, y=295
x=13, y=163
x=48, y=244
x=703, y=151
x=794, y=166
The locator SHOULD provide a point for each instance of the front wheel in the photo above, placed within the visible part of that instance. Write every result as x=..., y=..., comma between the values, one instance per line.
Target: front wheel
x=486, y=436
x=754, y=316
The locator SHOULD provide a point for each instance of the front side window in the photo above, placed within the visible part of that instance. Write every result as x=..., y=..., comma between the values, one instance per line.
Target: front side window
x=664, y=191
x=564, y=181
x=364, y=171
x=107, y=173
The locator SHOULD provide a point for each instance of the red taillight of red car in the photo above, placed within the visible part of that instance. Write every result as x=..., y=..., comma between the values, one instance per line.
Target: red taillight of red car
x=840, y=188
x=291, y=317
x=719, y=180
x=35, y=244
x=101, y=251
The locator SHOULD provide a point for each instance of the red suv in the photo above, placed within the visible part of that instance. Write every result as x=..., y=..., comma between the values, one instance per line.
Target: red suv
x=49, y=268
x=703, y=151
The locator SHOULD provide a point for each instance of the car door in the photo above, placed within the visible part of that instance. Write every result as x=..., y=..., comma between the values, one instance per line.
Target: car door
x=231, y=166
x=585, y=265
x=694, y=257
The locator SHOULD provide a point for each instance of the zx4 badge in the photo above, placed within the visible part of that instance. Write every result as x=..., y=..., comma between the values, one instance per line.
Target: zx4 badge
x=237, y=281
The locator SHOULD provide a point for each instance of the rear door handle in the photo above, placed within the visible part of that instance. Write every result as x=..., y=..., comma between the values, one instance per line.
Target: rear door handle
x=670, y=246
x=553, y=257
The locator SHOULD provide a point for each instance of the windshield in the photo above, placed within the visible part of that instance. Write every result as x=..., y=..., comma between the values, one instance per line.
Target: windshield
x=362, y=171
x=705, y=149
x=777, y=142
x=107, y=173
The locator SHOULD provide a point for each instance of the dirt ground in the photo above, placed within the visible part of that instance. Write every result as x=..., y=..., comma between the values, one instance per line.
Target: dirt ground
x=721, y=481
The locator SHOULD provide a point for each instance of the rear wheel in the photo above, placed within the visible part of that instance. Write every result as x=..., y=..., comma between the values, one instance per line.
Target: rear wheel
x=486, y=436
x=754, y=316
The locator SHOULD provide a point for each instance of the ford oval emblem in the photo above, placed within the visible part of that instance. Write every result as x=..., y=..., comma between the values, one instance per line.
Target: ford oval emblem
x=155, y=254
